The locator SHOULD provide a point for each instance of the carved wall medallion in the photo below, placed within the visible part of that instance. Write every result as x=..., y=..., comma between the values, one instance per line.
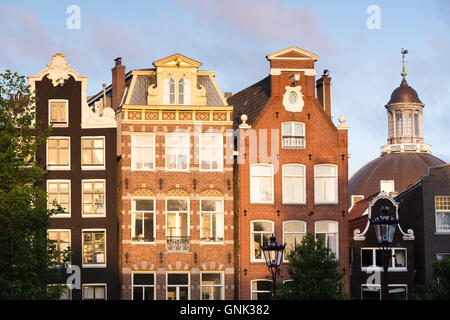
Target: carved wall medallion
x=293, y=99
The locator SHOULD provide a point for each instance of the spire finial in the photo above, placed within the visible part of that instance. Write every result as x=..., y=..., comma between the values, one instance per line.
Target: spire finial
x=403, y=74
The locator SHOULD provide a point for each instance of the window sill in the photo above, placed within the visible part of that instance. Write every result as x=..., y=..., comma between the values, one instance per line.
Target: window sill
x=263, y=203
x=211, y=243
x=91, y=168
x=65, y=168
x=59, y=125
x=142, y=170
x=144, y=243
x=93, y=216
x=205, y=170
x=92, y=266
x=60, y=215
x=380, y=269
x=442, y=233
x=293, y=203
x=326, y=203
x=176, y=170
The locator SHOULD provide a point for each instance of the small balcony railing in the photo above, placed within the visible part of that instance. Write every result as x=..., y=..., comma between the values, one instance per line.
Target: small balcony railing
x=294, y=142
x=178, y=243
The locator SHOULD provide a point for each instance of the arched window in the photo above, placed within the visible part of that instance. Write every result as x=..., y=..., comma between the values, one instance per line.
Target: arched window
x=293, y=184
x=327, y=230
x=293, y=135
x=261, y=183
x=169, y=91
x=184, y=91
x=398, y=121
x=261, y=289
x=325, y=184
x=261, y=231
x=293, y=233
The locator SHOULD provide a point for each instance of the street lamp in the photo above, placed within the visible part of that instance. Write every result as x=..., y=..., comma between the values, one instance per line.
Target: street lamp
x=273, y=254
x=384, y=226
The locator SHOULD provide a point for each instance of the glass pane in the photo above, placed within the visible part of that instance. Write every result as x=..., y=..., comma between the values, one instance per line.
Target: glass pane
x=400, y=258
x=171, y=293
x=138, y=293
x=144, y=205
x=149, y=293
x=100, y=293
x=262, y=226
x=397, y=293
x=286, y=129
x=88, y=292
x=144, y=278
x=370, y=293
x=177, y=205
x=148, y=227
x=294, y=226
x=293, y=170
x=211, y=278
x=366, y=257
x=211, y=205
x=142, y=140
x=184, y=293
x=177, y=279
x=298, y=129
x=257, y=254
x=98, y=156
x=325, y=170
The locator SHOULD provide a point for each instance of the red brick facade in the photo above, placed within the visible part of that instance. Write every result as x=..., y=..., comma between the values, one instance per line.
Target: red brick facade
x=325, y=144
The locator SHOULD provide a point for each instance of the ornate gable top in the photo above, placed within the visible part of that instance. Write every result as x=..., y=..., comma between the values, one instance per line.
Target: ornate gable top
x=177, y=60
x=292, y=53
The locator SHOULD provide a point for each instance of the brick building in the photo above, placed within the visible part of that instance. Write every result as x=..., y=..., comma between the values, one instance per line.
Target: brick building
x=80, y=157
x=176, y=179
x=296, y=182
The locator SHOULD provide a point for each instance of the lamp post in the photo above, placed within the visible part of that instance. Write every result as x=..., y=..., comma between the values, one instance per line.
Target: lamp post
x=273, y=254
x=384, y=226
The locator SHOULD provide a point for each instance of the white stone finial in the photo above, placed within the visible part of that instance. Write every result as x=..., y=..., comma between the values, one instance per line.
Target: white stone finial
x=342, y=125
x=244, y=119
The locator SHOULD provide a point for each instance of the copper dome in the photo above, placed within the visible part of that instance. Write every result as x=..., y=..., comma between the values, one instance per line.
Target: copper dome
x=405, y=168
x=404, y=93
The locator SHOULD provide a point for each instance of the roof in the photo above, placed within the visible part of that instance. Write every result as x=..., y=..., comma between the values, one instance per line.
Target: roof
x=404, y=94
x=250, y=101
x=292, y=52
x=405, y=168
x=360, y=207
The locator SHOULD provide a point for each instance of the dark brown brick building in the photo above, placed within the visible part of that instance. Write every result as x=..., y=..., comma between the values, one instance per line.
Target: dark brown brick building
x=80, y=157
x=291, y=177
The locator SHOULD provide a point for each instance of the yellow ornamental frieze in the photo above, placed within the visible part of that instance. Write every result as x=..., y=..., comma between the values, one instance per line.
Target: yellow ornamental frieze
x=213, y=193
x=202, y=116
x=142, y=193
x=168, y=115
x=134, y=115
x=185, y=115
x=219, y=116
x=151, y=115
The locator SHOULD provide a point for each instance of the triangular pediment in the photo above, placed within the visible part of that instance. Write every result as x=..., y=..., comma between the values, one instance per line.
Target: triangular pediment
x=177, y=60
x=292, y=53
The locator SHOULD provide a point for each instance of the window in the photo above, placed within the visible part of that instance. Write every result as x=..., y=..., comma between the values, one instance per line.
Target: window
x=211, y=285
x=261, y=183
x=373, y=292
x=294, y=184
x=439, y=256
x=94, y=291
x=261, y=289
x=398, y=119
x=325, y=184
x=143, y=229
x=293, y=133
x=59, y=190
x=211, y=220
x=93, y=198
x=408, y=125
x=356, y=199
x=143, y=286
x=58, y=113
x=94, y=248
x=211, y=152
x=60, y=238
x=177, y=152
x=442, y=205
x=328, y=231
x=58, y=150
x=184, y=91
x=261, y=231
x=293, y=233
x=391, y=124
x=66, y=293
x=373, y=258
x=177, y=225
x=92, y=152
x=416, y=125
x=387, y=186
x=177, y=286
x=142, y=152
x=170, y=91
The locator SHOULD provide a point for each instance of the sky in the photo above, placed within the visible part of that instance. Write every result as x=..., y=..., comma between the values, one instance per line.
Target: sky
x=233, y=37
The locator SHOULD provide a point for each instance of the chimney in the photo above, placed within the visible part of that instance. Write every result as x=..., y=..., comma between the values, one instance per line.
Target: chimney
x=323, y=86
x=228, y=94
x=118, y=81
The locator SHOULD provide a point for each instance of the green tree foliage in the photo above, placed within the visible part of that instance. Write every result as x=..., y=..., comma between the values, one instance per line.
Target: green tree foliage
x=439, y=288
x=313, y=271
x=28, y=260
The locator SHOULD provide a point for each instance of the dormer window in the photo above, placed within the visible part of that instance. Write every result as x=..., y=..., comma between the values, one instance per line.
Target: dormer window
x=293, y=135
x=180, y=89
x=58, y=112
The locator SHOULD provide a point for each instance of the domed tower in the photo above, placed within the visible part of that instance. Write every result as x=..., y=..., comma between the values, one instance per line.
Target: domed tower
x=406, y=157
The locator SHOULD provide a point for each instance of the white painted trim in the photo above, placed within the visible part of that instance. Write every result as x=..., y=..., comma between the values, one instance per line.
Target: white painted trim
x=97, y=285
x=133, y=224
x=154, y=286
x=53, y=167
x=277, y=71
x=177, y=286
x=222, y=283
x=84, y=215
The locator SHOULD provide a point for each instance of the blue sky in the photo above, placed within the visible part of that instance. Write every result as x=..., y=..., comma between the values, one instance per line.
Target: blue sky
x=232, y=38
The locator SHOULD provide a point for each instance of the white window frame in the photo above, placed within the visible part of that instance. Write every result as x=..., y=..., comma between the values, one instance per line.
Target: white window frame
x=379, y=288
x=252, y=244
x=167, y=93
x=99, y=265
x=178, y=286
x=337, y=235
x=94, y=166
x=58, y=125
x=252, y=196
x=53, y=166
x=214, y=212
x=133, y=223
x=90, y=215
x=385, y=182
x=188, y=150
x=62, y=230
x=354, y=197
x=143, y=285
x=444, y=211
x=294, y=176
x=292, y=123
x=65, y=214
x=393, y=268
x=95, y=285
x=284, y=233
x=336, y=177
x=133, y=145
x=220, y=148
x=257, y=291
x=222, y=283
